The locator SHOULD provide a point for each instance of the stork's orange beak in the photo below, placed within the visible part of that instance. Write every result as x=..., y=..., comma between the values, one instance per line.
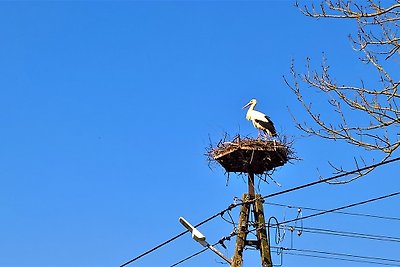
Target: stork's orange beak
x=245, y=106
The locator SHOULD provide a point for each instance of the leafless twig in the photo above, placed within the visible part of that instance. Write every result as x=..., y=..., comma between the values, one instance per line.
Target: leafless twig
x=377, y=40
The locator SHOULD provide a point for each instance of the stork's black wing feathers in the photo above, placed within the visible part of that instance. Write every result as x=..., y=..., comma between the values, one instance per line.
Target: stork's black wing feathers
x=268, y=125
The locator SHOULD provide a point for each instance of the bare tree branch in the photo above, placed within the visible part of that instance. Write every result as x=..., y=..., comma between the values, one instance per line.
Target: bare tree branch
x=377, y=41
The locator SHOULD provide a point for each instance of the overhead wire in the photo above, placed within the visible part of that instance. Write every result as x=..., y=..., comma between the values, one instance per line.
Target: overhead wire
x=175, y=237
x=189, y=257
x=203, y=250
x=154, y=248
x=339, y=212
x=342, y=207
x=344, y=234
x=264, y=197
x=313, y=215
x=342, y=256
x=358, y=170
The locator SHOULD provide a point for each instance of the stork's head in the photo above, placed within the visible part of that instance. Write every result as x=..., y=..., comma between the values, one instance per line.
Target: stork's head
x=251, y=102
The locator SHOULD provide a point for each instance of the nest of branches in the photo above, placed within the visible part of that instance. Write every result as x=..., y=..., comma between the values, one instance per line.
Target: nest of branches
x=247, y=155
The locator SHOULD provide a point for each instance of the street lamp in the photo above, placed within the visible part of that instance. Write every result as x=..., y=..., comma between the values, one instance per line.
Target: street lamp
x=199, y=237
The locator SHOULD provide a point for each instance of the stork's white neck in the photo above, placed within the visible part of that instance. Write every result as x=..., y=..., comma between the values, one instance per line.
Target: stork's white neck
x=251, y=108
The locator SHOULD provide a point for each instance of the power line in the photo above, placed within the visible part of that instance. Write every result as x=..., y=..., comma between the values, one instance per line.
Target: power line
x=344, y=233
x=203, y=250
x=346, y=255
x=342, y=256
x=154, y=248
x=342, y=259
x=310, y=216
x=331, y=178
x=342, y=207
x=264, y=197
x=352, y=234
x=339, y=212
x=325, y=231
x=178, y=235
x=189, y=257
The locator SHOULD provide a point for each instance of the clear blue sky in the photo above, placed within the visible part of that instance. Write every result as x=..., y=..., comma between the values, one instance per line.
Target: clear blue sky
x=106, y=110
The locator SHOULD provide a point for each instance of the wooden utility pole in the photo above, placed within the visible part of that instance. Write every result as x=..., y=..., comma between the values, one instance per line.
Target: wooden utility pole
x=262, y=233
x=250, y=182
x=262, y=240
x=242, y=232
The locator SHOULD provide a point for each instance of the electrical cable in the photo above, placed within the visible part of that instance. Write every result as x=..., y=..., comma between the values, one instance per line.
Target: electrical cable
x=231, y=221
x=175, y=237
x=344, y=233
x=264, y=197
x=154, y=248
x=342, y=259
x=203, y=250
x=331, y=178
x=343, y=207
x=277, y=234
x=339, y=212
x=342, y=256
x=314, y=215
x=189, y=257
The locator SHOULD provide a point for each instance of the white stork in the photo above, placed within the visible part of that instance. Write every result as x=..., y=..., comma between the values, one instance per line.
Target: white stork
x=260, y=120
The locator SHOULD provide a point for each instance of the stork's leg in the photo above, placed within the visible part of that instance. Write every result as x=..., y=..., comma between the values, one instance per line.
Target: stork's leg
x=259, y=134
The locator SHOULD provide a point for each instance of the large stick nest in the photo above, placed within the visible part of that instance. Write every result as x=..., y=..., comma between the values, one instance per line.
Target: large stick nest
x=246, y=155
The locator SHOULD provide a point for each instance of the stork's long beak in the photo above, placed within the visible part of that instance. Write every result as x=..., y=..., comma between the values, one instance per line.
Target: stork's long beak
x=245, y=106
